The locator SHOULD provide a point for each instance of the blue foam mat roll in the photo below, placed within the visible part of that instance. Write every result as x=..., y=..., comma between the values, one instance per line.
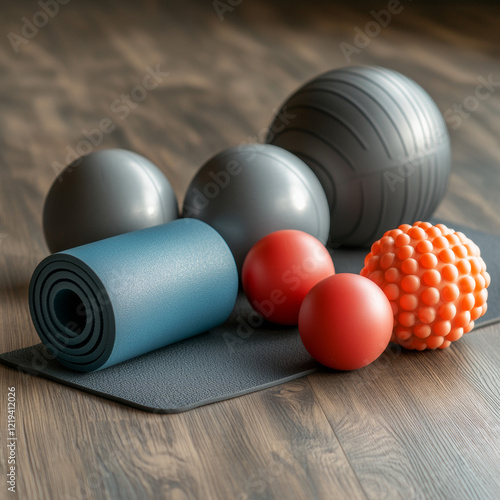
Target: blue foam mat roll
x=109, y=301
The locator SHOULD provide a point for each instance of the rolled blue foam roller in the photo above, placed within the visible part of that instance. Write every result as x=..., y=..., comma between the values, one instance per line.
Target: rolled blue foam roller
x=99, y=304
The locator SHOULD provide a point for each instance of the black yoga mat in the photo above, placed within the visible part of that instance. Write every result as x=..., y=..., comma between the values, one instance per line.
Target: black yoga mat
x=243, y=355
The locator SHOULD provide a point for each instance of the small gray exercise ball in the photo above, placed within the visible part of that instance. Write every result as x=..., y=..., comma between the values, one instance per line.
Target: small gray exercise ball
x=376, y=141
x=246, y=192
x=103, y=194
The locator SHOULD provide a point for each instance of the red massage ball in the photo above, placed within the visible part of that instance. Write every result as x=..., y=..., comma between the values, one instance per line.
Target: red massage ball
x=280, y=269
x=435, y=280
x=345, y=322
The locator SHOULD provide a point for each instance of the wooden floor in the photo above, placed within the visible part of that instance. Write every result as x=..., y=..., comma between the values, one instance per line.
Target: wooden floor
x=411, y=425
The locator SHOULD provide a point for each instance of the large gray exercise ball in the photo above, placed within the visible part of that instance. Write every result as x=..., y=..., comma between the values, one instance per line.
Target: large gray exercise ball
x=376, y=141
x=246, y=192
x=103, y=194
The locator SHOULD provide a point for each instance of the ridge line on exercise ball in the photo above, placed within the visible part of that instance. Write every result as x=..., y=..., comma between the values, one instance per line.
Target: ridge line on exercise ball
x=400, y=128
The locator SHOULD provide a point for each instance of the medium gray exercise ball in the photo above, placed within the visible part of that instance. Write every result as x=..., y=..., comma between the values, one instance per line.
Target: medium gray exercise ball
x=103, y=194
x=246, y=192
x=376, y=141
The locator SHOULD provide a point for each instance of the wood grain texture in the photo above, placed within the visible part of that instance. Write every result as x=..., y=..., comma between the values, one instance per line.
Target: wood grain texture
x=412, y=425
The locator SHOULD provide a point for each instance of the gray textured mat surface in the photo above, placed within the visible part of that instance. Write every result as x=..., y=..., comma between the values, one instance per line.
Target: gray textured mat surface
x=234, y=359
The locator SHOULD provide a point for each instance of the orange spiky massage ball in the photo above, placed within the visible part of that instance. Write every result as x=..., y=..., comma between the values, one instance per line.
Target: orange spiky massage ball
x=435, y=280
